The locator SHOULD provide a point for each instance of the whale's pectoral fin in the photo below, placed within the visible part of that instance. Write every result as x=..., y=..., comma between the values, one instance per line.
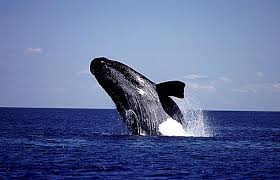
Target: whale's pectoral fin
x=171, y=88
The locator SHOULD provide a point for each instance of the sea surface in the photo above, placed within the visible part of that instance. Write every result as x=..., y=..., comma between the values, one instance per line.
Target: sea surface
x=94, y=144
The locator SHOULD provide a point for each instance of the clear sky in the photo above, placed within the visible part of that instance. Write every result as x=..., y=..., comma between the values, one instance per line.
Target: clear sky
x=227, y=52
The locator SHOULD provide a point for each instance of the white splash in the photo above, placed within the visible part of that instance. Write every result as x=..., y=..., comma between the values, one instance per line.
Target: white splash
x=195, y=122
x=171, y=127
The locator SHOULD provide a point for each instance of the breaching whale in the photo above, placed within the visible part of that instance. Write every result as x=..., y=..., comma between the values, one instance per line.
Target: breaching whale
x=142, y=104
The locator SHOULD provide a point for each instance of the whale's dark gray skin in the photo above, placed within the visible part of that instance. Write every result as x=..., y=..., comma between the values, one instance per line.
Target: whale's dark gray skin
x=141, y=103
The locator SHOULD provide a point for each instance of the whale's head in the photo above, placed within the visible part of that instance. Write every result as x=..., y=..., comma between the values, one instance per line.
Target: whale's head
x=122, y=83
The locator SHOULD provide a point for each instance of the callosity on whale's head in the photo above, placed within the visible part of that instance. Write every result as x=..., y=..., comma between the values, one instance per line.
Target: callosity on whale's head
x=142, y=104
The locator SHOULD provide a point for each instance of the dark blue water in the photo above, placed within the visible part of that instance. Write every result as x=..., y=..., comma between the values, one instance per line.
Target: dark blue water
x=80, y=144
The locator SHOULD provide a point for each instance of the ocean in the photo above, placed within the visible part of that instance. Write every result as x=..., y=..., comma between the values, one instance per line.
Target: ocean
x=94, y=144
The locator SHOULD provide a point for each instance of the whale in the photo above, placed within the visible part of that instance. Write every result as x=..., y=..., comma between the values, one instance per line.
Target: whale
x=144, y=106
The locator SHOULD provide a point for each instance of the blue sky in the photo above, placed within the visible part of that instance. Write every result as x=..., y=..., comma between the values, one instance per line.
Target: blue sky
x=227, y=52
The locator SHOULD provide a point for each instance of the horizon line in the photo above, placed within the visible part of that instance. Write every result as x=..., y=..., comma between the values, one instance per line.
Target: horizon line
x=89, y=108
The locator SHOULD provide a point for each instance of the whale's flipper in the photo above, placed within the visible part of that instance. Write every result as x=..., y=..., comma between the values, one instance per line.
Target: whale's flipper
x=171, y=88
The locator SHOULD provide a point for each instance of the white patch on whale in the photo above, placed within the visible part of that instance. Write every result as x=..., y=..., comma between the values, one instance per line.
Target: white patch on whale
x=140, y=80
x=141, y=91
x=171, y=127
